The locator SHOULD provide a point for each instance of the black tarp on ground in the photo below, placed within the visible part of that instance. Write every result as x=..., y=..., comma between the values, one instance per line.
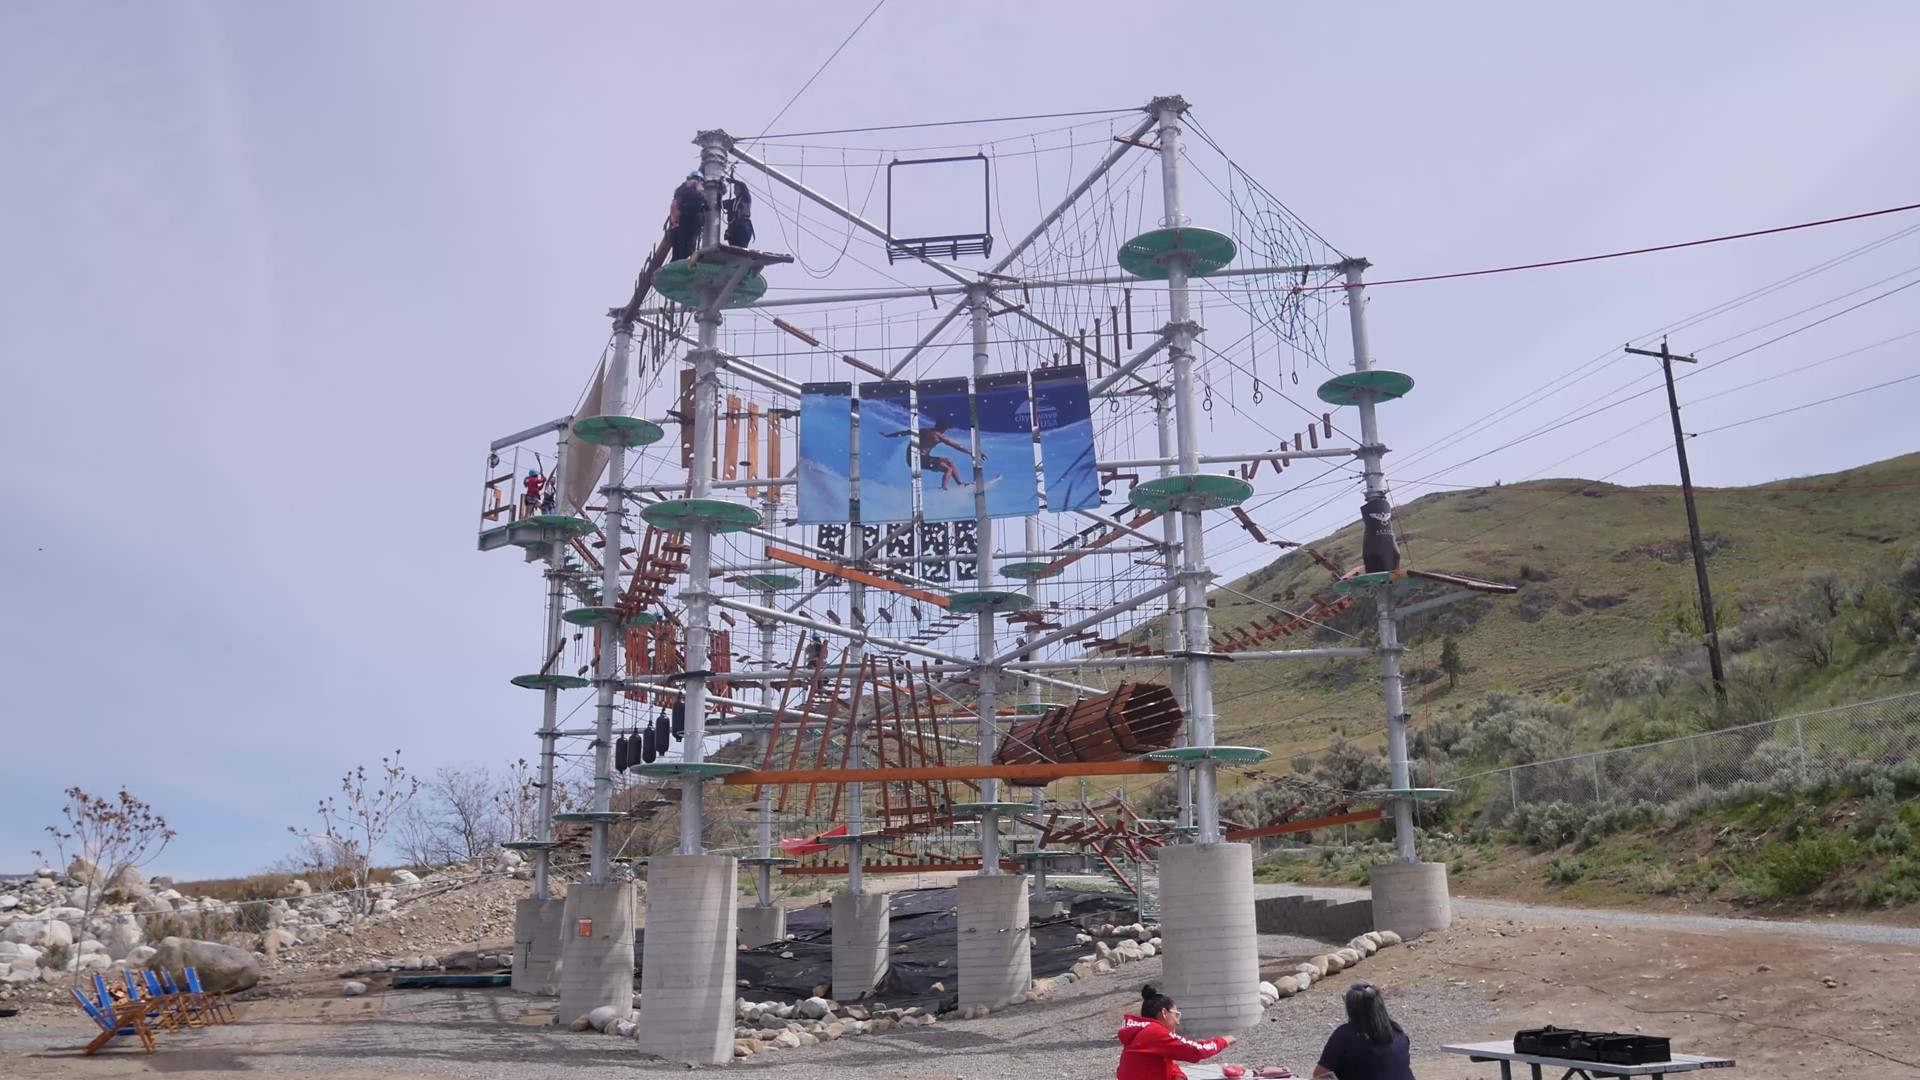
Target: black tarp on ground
x=927, y=922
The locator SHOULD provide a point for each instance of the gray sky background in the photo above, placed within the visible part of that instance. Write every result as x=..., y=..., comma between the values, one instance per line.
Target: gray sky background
x=274, y=275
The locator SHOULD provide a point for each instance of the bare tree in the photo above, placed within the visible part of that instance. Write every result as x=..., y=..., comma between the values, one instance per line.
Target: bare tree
x=111, y=834
x=353, y=825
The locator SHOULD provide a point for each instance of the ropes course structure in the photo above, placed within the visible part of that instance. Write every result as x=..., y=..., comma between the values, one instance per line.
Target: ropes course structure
x=870, y=559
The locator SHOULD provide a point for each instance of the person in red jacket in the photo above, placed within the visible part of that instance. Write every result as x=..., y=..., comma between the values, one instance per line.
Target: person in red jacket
x=1149, y=1046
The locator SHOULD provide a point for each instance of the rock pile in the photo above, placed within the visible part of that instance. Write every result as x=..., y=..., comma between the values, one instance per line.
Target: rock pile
x=1318, y=968
x=762, y=1027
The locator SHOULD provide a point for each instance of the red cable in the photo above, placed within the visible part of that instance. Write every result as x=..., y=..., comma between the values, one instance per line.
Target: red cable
x=1620, y=254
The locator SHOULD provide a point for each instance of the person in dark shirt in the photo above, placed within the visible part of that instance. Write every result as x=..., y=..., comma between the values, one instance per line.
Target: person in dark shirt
x=739, y=208
x=688, y=216
x=1369, y=1046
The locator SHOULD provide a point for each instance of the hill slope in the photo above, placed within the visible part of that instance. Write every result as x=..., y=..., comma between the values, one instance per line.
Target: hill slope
x=1603, y=572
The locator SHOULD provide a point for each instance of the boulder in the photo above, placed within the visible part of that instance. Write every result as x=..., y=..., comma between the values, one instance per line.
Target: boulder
x=1286, y=985
x=405, y=877
x=296, y=887
x=98, y=961
x=385, y=906
x=1349, y=957
x=83, y=871
x=1333, y=962
x=223, y=969
x=82, y=898
x=120, y=934
x=1388, y=937
x=276, y=939
x=9, y=902
x=788, y=1039
x=138, y=956
x=581, y=1024
x=355, y=989
x=745, y=1047
x=1363, y=946
x=42, y=933
x=601, y=1017
x=815, y=1008
x=127, y=879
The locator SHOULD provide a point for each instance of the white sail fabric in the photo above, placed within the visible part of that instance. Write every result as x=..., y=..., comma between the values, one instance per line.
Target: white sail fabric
x=585, y=460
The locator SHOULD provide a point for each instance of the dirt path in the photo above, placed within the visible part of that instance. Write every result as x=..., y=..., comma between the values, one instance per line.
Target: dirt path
x=1873, y=933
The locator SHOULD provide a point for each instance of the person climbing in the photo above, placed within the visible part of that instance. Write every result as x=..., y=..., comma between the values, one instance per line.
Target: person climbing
x=929, y=439
x=530, y=501
x=1369, y=1046
x=1150, y=1046
x=816, y=650
x=739, y=208
x=687, y=219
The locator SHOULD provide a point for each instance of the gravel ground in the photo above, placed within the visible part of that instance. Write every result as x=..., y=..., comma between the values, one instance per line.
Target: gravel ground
x=494, y=1034
x=1830, y=928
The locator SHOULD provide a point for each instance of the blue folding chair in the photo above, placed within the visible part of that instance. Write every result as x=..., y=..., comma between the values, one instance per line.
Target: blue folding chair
x=161, y=1007
x=217, y=1004
x=126, y=1019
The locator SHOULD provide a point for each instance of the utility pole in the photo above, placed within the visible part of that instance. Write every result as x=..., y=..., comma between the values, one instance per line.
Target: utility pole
x=1707, y=621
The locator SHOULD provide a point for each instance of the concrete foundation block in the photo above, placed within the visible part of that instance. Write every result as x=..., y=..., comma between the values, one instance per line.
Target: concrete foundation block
x=861, y=943
x=996, y=944
x=688, y=964
x=1212, y=963
x=536, y=945
x=762, y=926
x=596, y=950
x=1411, y=898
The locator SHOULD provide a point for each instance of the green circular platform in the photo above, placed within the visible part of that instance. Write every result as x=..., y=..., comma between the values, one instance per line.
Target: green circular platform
x=775, y=582
x=683, y=769
x=685, y=281
x=1357, y=386
x=1030, y=571
x=618, y=431
x=543, y=529
x=1365, y=583
x=590, y=817
x=992, y=808
x=551, y=682
x=768, y=860
x=1148, y=254
x=721, y=516
x=1418, y=794
x=530, y=845
x=848, y=840
x=1188, y=755
x=1034, y=708
x=985, y=601
x=1035, y=856
x=606, y=616
x=1201, y=491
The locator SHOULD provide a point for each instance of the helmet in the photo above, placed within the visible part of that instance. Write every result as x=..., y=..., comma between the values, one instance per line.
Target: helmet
x=696, y=175
x=533, y=472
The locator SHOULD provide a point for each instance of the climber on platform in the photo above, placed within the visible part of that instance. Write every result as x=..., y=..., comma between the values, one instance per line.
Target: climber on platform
x=739, y=208
x=688, y=217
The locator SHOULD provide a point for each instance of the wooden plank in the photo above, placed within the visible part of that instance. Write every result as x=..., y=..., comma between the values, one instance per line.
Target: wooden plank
x=753, y=447
x=821, y=566
x=1048, y=771
x=1305, y=826
x=899, y=868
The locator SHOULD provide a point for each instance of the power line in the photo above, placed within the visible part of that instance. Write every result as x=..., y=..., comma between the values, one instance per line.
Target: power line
x=1810, y=404
x=937, y=123
x=822, y=67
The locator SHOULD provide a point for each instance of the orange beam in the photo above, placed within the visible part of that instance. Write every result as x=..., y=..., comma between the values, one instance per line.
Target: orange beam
x=835, y=570
x=1304, y=826
x=900, y=868
x=1048, y=771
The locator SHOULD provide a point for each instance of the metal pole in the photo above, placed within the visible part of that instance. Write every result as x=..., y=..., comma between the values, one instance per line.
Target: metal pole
x=1176, y=630
x=1371, y=452
x=986, y=702
x=698, y=596
x=857, y=618
x=550, y=697
x=1194, y=574
x=607, y=673
x=769, y=508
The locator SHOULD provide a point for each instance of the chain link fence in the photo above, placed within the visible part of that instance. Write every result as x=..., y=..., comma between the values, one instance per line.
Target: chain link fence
x=1787, y=751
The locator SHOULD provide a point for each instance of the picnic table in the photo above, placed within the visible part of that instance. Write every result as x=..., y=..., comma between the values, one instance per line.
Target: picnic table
x=1503, y=1052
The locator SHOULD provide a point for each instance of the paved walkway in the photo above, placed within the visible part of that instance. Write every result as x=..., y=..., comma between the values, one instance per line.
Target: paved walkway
x=1494, y=909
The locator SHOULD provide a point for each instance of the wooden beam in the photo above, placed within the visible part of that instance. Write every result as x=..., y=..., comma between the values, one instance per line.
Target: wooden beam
x=821, y=566
x=1047, y=771
x=1305, y=826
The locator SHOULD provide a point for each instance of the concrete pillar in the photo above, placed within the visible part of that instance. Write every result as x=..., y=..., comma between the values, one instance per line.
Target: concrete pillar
x=1212, y=969
x=1411, y=898
x=762, y=926
x=996, y=946
x=687, y=969
x=862, y=939
x=596, y=950
x=536, y=945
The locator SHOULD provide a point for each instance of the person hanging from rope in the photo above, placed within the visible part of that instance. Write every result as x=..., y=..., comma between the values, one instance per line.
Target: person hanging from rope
x=530, y=501
x=739, y=208
x=688, y=217
x=929, y=439
x=816, y=650
x=1150, y=1048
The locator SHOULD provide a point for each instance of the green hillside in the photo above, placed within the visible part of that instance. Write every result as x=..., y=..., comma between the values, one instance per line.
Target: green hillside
x=1604, y=577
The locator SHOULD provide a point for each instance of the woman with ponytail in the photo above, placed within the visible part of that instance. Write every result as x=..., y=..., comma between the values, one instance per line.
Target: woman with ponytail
x=1151, y=1048
x=1369, y=1046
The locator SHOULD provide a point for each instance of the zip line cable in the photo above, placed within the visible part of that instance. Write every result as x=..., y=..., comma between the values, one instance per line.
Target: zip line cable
x=817, y=71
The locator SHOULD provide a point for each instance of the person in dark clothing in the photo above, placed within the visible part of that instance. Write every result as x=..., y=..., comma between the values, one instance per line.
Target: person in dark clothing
x=1149, y=1047
x=1378, y=550
x=688, y=217
x=739, y=208
x=1369, y=1046
x=927, y=441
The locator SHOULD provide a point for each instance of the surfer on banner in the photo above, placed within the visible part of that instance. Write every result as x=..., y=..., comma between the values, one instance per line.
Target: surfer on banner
x=927, y=441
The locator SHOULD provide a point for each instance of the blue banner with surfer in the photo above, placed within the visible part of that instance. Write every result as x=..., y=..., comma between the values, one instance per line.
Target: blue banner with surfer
x=886, y=473
x=1063, y=414
x=826, y=452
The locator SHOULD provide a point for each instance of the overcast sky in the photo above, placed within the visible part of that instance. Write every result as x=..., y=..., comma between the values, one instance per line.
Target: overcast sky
x=274, y=275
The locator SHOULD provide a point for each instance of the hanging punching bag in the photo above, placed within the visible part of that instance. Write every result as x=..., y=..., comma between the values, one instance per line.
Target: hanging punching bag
x=647, y=753
x=623, y=753
x=662, y=732
x=1378, y=550
x=679, y=718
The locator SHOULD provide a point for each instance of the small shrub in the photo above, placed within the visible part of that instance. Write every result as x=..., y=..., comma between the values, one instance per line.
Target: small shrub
x=1800, y=868
x=1566, y=871
x=57, y=957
